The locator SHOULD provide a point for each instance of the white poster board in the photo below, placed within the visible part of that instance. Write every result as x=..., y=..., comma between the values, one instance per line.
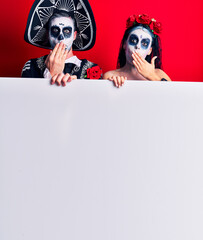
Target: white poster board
x=93, y=162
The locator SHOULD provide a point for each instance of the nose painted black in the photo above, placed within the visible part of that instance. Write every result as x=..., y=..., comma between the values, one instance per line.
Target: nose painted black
x=60, y=37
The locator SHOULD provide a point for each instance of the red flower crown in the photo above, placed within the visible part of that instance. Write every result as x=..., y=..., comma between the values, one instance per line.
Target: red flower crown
x=156, y=27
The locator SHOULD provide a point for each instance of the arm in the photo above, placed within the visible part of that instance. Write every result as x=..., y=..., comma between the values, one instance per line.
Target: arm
x=107, y=75
x=161, y=75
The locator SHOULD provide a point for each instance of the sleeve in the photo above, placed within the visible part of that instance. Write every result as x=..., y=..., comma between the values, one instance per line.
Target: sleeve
x=26, y=71
x=31, y=69
x=47, y=74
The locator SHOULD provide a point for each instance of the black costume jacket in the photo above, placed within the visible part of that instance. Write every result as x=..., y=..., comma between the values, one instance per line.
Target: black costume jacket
x=34, y=68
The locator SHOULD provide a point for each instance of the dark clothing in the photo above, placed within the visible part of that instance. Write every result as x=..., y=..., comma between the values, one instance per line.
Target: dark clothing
x=34, y=68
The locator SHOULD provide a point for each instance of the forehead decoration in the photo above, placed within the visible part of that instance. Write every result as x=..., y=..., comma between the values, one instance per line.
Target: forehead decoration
x=61, y=29
x=143, y=29
x=36, y=32
x=145, y=20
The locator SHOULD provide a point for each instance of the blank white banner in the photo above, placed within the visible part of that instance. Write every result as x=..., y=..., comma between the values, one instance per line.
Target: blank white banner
x=93, y=162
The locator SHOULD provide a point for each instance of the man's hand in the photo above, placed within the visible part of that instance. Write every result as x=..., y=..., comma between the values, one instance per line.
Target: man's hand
x=62, y=79
x=55, y=61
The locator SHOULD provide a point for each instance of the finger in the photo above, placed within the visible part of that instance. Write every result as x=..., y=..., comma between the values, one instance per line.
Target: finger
x=55, y=50
x=53, y=79
x=59, y=79
x=137, y=64
x=134, y=54
x=63, y=50
x=60, y=50
x=134, y=58
x=115, y=81
x=65, y=79
x=140, y=57
x=122, y=81
x=72, y=78
x=118, y=81
x=65, y=54
x=153, y=61
x=137, y=58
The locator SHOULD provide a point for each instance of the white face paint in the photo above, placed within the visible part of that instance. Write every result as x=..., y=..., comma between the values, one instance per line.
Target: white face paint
x=61, y=29
x=139, y=40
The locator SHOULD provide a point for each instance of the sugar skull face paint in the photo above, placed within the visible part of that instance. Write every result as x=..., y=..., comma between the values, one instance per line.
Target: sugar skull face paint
x=139, y=40
x=61, y=29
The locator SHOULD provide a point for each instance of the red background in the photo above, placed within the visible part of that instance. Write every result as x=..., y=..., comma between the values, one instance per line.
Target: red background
x=181, y=38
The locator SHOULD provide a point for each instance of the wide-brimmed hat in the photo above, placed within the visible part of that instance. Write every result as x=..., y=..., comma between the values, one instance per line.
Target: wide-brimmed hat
x=36, y=32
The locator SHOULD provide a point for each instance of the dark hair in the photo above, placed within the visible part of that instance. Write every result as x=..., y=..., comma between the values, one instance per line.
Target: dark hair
x=63, y=13
x=156, y=48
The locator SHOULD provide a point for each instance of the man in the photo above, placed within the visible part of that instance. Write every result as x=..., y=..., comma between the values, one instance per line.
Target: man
x=63, y=26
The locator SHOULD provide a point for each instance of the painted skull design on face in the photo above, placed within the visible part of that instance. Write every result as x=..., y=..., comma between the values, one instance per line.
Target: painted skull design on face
x=139, y=40
x=61, y=29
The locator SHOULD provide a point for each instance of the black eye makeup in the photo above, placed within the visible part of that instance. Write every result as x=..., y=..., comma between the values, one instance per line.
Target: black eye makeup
x=145, y=43
x=67, y=31
x=55, y=31
x=133, y=40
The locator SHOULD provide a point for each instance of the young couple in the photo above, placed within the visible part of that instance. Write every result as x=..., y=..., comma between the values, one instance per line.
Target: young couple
x=67, y=25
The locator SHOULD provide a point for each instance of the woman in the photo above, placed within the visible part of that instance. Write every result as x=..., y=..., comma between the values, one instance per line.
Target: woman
x=140, y=52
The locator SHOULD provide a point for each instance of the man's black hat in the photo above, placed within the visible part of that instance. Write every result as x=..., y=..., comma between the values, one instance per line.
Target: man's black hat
x=36, y=32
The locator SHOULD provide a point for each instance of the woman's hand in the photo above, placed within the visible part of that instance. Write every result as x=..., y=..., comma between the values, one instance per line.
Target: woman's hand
x=146, y=69
x=55, y=61
x=117, y=80
x=62, y=79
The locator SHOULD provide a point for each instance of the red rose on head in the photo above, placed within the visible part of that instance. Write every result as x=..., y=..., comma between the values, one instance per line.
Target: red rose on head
x=94, y=72
x=144, y=19
x=157, y=27
x=130, y=21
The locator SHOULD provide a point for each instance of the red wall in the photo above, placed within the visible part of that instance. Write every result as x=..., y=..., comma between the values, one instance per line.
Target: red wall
x=181, y=38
